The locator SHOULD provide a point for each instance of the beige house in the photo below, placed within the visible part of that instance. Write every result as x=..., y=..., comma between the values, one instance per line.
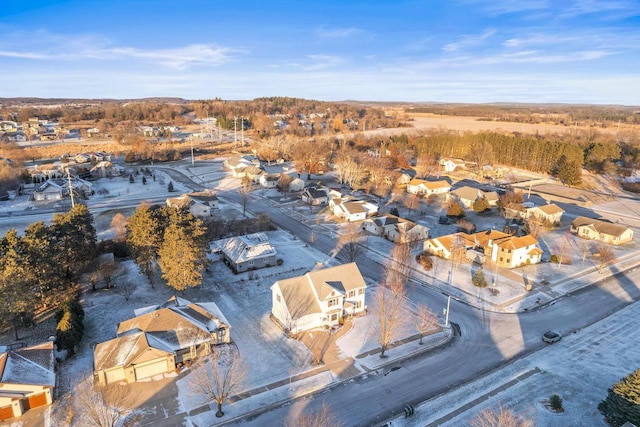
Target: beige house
x=27, y=379
x=200, y=204
x=396, y=229
x=546, y=213
x=158, y=339
x=503, y=249
x=427, y=188
x=319, y=299
x=449, y=164
x=595, y=229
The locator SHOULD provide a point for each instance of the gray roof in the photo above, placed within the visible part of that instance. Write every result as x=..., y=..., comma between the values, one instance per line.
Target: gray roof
x=243, y=248
x=33, y=365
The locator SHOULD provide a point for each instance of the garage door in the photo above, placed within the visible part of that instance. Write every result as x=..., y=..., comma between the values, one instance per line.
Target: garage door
x=114, y=375
x=37, y=400
x=146, y=371
x=6, y=412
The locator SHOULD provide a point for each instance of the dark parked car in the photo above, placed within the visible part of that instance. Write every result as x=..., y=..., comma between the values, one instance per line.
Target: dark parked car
x=551, y=337
x=443, y=220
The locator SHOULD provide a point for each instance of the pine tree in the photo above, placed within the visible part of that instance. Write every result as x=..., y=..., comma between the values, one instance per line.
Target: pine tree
x=623, y=401
x=143, y=238
x=478, y=278
x=75, y=238
x=182, y=254
x=170, y=187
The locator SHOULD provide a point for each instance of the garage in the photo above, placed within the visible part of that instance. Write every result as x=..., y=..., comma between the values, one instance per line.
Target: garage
x=150, y=369
x=6, y=412
x=37, y=400
x=114, y=375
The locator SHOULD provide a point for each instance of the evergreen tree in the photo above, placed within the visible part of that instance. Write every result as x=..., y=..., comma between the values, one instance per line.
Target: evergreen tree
x=75, y=238
x=182, y=254
x=478, y=278
x=45, y=273
x=170, y=187
x=69, y=332
x=143, y=239
x=623, y=401
x=568, y=171
x=17, y=304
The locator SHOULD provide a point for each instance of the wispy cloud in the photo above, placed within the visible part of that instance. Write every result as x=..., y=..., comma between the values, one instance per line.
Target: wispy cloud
x=337, y=33
x=51, y=47
x=503, y=7
x=468, y=41
x=318, y=62
x=604, y=8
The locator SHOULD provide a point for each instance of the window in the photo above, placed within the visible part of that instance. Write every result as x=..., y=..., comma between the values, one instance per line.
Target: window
x=250, y=262
x=358, y=304
x=509, y=251
x=332, y=302
x=352, y=294
x=278, y=297
x=508, y=261
x=334, y=317
x=361, y=291
x=501, y=259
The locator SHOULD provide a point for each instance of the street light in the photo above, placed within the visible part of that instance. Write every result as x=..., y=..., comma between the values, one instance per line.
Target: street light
x=235, y=132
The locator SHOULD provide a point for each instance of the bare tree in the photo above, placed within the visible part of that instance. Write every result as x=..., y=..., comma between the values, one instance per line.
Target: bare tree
x=458, y=251
x=218, y=376
x=119, y=225
x=584, y=248
x=107, y=270
x=425, y=321
x=389, y=308
x=501, y=417
x=127, y=290
x=105, y=406
x=322, y=418
x=350, y=242
x=606, y=256
x=563, y=251
x=389, y=303
x=411, y=201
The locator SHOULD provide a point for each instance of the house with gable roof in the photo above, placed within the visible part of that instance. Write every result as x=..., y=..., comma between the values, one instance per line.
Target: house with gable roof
x=503, y=249
x=449, y=164
x=158, y=339
x=27, y=379
x=200, y=203
x=595, y=229
x=249, y=252
x=427, y=188
x=466, y=196
x=318, y=299
x=546, y=213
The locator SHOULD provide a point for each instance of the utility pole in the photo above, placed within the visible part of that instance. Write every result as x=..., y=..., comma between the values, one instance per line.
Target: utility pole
x=73, y=203
x=235, y=132
x=242, y=130
x=446, y=312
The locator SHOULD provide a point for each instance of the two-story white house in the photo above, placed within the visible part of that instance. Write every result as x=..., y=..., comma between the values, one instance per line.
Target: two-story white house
x=318, y=299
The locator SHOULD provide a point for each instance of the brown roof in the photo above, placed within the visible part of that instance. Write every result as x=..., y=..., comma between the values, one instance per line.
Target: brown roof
x=551, y=209
x=429, y=184
x=600, y=226
x=513, y=242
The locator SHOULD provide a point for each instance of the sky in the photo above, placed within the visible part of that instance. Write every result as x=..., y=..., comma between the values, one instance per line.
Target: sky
x=472, y=51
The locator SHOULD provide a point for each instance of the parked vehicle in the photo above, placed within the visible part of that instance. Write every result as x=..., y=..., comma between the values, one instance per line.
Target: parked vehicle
x=551, y=337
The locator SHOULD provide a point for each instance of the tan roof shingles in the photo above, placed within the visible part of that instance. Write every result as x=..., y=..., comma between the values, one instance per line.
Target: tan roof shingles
x=600, y=226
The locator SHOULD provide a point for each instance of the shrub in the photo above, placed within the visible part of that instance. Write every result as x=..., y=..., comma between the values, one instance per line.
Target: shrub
x=554, y=259
x=455, y=210
x=424, y=259
x=478, y=278
x=556, y=403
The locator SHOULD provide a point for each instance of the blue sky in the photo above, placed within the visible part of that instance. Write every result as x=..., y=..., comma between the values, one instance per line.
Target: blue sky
x=585, y=51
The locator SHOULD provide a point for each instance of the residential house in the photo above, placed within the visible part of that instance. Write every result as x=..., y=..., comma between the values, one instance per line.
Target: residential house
x=604, y=231
x=314, y=196
x=253, y=173
x=103, y=168
x=82, y=158
x=8, y=126
x=250, y=252
x=102, y=156
x=159, y=339
x=237, y=165
x=427, y=188
x=550, y=213
x=352, y=210
x=318, y=299
x=93, y=132
x=58, y=188
x=492, y=197
x=406, y=231
x=466, y=196
x=503, y=249
x=449, y=164
x=269, y=180
x=27, y=379
x=200, y=204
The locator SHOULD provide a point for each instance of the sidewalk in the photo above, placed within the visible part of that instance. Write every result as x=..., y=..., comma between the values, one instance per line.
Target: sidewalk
x=298, y=386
